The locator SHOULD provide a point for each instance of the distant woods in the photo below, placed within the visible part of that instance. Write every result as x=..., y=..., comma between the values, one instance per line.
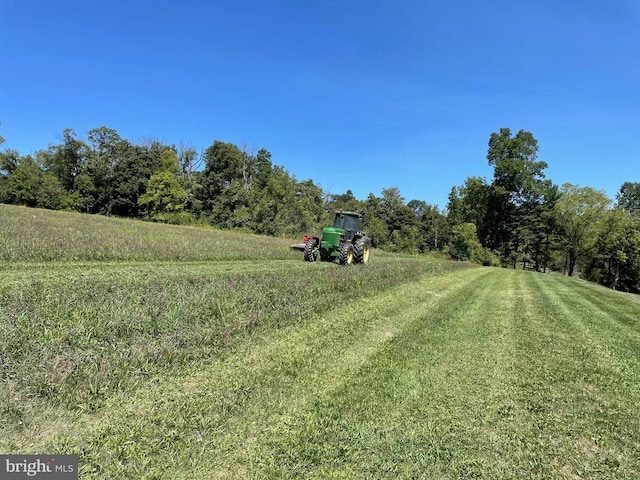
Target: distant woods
x=517, y=219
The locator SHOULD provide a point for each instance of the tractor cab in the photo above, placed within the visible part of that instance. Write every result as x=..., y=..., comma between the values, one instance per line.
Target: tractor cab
x=350, y=222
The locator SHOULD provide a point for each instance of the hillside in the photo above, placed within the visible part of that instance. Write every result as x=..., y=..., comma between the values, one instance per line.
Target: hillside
x=163, y=352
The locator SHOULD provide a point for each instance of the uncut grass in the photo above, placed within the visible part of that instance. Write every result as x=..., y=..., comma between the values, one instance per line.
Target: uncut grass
x=32, y=235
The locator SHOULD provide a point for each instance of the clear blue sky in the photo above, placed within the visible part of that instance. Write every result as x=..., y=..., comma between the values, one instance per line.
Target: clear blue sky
x=354, y=94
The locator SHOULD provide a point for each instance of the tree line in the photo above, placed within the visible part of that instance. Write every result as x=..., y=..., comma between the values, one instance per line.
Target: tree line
x=519, y=219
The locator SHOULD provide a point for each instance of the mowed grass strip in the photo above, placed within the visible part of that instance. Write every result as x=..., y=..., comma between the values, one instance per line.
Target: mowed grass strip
x=481, y=373
x=71, y=339
x=480, y=381
x=229, y=409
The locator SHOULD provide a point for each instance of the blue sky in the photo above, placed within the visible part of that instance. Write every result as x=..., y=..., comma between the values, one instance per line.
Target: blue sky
x=359, y=95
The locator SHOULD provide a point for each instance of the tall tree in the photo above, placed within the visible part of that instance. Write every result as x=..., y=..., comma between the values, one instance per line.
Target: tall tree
x=24, y=184
x=374, y=222
x=274, y=210
x=616, y=262
x=464, y=243
x=344, y=201
x=520, y=195
x=130, y=177
x=469, y=204
x=223, y=165
x=97, y=181
x=433, y=227
x=67, y=160
x=628, y=198
x=9, y=160
x=580, y=212
x=164, y=196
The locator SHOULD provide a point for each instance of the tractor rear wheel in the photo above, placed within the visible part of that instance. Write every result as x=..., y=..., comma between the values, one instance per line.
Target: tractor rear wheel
x=346, y=254
x=362, y=250
x=309, y=254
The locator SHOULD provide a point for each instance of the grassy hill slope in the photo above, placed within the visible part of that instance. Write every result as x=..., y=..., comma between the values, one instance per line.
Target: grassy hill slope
x=30, y=234
x=265, y=366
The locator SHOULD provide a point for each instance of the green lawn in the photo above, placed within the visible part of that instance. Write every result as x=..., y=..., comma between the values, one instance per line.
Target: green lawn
x=270, y=367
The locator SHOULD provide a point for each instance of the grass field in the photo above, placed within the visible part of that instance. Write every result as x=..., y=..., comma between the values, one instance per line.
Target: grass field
x=165, y=352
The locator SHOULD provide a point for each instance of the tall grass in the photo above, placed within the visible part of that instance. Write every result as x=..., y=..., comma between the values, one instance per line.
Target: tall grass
x=29, y=234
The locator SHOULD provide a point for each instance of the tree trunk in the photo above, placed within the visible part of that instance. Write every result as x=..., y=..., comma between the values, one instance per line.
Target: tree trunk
x=572, y=262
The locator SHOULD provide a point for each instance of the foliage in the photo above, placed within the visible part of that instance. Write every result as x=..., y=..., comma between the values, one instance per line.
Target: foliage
x=580, y=212
x=520, y=201
x=24, y=184
x=522, y=219
x=164, y=194
x=616, y=259
x=628, y=198
x=464, y=244
x=237, y=188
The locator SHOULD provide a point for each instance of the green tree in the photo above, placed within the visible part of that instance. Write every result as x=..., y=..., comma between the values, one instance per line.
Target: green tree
x=242, y=190
x=130, y=177
x=616, y=262
x=512, y=214
x=580, y=212
x=394, y=211
x=261, y=168
x=374, y=222
x=432, y=226
x=309, y=206
x=107, y=149
x=274, y=210
x=344, y=201
x=405, y=240
x=85, y=191
x=233, y=207
x=24, y=183
x=464, y=244
x=628, y=198
x=51, y=193
x=67, y=160
x=9, y=160
x=468, y=203
x=223, y=165
x=518, y=181
x=163, y=195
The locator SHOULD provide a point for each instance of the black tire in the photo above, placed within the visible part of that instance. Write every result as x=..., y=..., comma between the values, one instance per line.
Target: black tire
x=309, y=254
x=346, y=253
x=362, y=250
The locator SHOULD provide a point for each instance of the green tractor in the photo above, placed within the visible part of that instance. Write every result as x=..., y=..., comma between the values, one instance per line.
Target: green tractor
x=345, y=241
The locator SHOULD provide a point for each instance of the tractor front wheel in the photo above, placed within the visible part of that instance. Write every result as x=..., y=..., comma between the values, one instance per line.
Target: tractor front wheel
x=362, y=250
x=346, y=254
x=310, y=255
